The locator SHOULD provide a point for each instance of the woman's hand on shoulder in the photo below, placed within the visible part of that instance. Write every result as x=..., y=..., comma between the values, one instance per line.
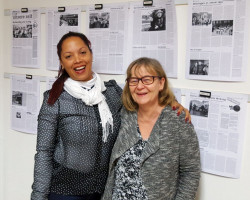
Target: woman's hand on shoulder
x=175, y=105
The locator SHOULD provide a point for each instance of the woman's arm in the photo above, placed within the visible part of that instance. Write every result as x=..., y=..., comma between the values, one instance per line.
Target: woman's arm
x=189, y=167
x=46, y=138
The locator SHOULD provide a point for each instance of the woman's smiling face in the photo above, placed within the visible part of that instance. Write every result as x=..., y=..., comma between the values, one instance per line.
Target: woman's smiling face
x=146, y=95
x=76, y=59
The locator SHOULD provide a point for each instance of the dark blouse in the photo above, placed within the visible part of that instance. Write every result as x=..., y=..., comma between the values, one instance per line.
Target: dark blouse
x=128, y=180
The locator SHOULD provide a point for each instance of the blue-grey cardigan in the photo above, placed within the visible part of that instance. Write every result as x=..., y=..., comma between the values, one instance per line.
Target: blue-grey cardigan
x=71, y=158
x=170, y=161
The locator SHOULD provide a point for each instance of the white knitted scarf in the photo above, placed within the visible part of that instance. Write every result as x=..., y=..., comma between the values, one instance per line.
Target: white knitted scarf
x=92, y=97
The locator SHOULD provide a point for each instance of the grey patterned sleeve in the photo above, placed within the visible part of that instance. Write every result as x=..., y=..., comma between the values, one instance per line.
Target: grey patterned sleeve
x=46, y=137
x=115, y=85
x=189, y=163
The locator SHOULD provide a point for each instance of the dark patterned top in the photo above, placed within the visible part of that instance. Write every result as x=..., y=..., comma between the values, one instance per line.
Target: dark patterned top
x=128, y=181
x=71, y=157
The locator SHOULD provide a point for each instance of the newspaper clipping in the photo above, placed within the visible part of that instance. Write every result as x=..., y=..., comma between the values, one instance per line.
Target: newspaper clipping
x=219, y=120
x=154, y=34
x=58, y=24
x=177, y=93
x=25, y=103
x=216, y=41
x=107, y=31
x=49, y=82
x=26, y=38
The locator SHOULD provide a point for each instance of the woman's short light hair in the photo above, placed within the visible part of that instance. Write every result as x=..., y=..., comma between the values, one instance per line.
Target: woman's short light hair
x=166, y=96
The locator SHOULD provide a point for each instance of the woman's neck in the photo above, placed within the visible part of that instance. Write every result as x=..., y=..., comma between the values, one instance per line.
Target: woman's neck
x=146, y=113
x=146, y=119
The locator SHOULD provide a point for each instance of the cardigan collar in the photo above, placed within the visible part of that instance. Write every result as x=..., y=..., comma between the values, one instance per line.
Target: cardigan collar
x=128, y=136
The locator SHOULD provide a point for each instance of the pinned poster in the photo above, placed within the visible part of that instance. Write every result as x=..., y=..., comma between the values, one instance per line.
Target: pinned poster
x=219, y=120
x=25, y=103
x=26, y=39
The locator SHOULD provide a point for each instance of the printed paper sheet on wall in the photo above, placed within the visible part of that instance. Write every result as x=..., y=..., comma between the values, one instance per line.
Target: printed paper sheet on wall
x=107, y=31
x=216, y=41
x=25, y=103
x=49, y=82
x=26, y=38
x=177, y=93
x=219, y=122
x=59, y=23
x=153, y=33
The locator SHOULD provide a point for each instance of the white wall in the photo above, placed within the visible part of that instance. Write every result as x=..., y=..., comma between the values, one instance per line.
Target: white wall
x=1, y=102
x=19, y=148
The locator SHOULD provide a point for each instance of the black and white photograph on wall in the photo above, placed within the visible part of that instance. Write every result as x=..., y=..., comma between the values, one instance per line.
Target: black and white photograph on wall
x=199, y=108
x=235, y=108
x=199, y=67
x=17, y=98
x=154, y=20
x=68, y=20
x=24, y=31
x=99, y=20
x=222, y=27
x=201, y=19
x=18, y=115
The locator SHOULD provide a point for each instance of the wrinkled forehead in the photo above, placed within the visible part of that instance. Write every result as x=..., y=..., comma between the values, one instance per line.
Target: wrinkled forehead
x=138, y=70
